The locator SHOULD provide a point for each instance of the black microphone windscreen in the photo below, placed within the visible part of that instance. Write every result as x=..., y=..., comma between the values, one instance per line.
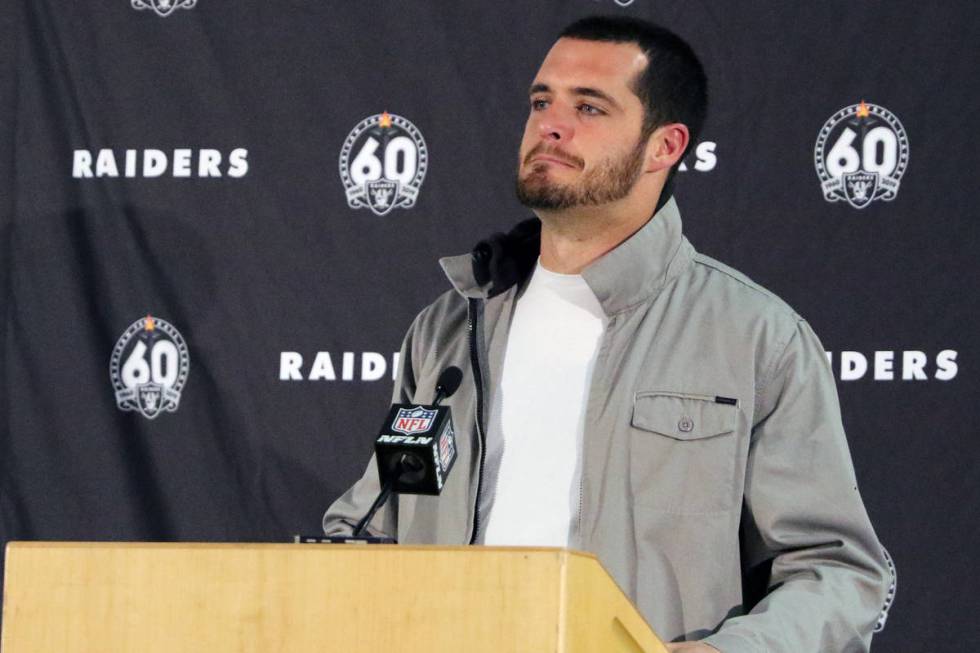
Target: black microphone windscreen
x=449, y=381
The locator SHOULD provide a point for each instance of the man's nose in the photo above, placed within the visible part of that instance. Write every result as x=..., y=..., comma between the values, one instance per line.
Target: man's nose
x=555, y=125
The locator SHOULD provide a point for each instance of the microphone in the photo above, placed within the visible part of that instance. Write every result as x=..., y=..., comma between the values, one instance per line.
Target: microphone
x=448, y=383
x=416, y=448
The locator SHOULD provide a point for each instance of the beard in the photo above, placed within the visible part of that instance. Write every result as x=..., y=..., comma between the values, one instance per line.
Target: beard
x=610, y=180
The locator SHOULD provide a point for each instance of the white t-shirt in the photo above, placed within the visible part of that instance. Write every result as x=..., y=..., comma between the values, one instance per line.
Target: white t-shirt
x=537, y=413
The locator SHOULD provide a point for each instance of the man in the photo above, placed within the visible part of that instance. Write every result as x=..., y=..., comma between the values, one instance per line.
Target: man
x=628, y=396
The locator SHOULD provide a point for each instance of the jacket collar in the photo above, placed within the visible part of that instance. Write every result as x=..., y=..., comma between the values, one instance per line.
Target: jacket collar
x=636, y=270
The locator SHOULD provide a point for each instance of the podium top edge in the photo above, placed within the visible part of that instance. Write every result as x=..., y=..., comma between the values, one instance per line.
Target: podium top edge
x=52, y=544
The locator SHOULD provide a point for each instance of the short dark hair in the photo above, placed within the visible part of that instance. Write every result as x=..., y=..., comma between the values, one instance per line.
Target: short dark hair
x=673, y=87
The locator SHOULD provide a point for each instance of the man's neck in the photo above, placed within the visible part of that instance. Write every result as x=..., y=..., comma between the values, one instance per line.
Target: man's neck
x=573, y=238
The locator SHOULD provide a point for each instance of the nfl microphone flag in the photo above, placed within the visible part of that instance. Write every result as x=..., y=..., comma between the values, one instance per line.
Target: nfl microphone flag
x=416, y=448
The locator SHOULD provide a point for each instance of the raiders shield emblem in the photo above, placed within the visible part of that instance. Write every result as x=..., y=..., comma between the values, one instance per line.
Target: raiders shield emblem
x=381, y=194
x=150, y=399
x=860, y=187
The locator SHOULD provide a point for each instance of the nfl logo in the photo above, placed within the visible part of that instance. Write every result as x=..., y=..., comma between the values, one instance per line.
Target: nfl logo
x=447, y=449
x=413, y=420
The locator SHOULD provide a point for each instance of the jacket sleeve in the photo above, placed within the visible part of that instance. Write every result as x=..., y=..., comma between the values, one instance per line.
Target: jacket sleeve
x=342, y=516
x=803, y=514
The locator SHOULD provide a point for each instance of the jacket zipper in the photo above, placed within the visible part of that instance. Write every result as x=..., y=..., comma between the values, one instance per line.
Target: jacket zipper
x=478, y=378
x=581, y=479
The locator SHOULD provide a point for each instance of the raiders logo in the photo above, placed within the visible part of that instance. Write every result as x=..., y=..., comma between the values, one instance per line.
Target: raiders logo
x=164, y=7
x=383, y=163
x=149, y=367
x=866, y=158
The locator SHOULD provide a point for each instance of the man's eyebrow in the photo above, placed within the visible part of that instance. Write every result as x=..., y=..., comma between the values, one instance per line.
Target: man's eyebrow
x=578, y=90
x=596, y=93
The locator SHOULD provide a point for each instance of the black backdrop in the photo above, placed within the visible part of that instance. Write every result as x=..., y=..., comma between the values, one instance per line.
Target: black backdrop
x=268, y=276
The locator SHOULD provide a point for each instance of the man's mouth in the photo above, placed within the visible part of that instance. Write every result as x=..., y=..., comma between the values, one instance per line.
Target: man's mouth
x=548, y=155
x=551, y=159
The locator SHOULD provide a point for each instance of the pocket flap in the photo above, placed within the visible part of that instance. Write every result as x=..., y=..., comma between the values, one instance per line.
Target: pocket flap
x=683, y=416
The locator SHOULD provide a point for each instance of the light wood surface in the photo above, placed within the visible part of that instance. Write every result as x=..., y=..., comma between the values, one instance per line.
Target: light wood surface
x=245, y=598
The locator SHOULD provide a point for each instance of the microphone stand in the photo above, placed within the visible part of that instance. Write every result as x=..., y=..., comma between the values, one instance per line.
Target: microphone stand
x=407, y=470
x=380, y=501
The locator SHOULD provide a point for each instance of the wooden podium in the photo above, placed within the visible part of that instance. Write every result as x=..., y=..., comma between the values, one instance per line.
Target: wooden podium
x=258, y=598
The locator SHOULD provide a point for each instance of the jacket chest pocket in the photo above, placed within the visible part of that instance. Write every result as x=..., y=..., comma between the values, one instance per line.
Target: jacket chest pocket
x=683, y=452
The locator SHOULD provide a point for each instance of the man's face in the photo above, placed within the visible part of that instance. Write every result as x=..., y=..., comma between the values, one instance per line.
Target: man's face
x=581, y=144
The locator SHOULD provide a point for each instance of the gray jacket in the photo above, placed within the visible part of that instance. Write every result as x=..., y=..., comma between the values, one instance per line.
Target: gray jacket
x=717, y=487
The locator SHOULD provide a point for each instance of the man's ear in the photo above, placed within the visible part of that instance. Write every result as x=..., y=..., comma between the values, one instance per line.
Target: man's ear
x=665, y=146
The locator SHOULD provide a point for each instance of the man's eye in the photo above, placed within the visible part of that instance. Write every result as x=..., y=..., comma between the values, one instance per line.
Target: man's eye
x=537, y=105
x=590, y=110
